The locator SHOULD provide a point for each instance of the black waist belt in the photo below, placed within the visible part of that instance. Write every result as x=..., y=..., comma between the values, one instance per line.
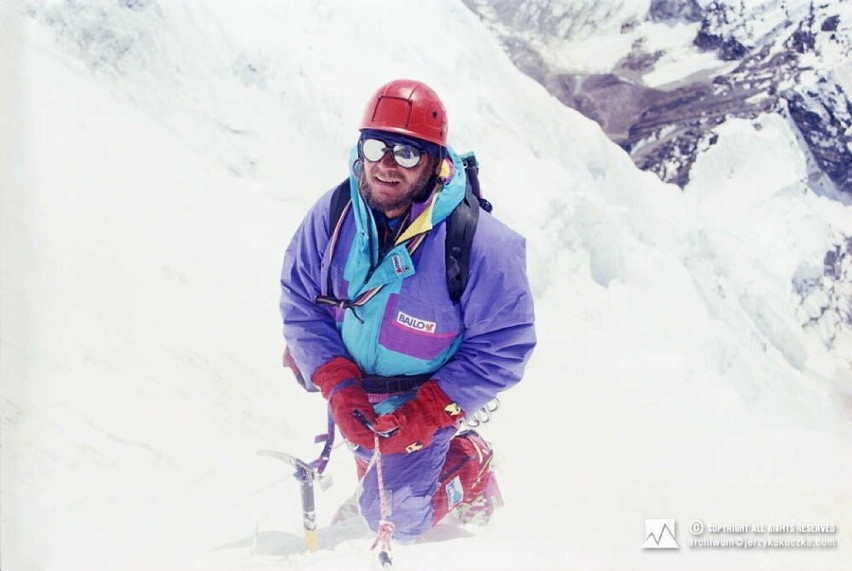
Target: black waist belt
x=399, y=384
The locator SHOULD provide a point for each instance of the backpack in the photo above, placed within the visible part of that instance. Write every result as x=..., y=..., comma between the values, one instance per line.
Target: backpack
x=461, y=225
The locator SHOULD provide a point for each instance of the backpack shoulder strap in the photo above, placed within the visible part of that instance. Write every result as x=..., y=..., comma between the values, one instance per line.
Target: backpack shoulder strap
x=461, y=226
x=339, y=200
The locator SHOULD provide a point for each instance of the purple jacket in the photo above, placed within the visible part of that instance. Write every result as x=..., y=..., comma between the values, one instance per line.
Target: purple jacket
x=474, y=348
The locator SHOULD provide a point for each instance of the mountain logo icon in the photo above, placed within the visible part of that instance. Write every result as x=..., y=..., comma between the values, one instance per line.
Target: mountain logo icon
x=660, y=534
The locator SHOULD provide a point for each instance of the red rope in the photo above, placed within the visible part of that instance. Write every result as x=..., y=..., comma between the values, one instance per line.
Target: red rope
x=384, y=533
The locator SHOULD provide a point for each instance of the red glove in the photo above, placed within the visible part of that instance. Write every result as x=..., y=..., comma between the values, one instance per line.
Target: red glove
x=340, y=383
x=418, y=420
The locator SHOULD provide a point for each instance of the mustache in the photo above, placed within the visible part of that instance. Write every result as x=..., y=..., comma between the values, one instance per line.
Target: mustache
x=421, y=194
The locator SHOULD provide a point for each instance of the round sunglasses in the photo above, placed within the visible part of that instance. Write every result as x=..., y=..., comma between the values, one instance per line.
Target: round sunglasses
x=406, y=156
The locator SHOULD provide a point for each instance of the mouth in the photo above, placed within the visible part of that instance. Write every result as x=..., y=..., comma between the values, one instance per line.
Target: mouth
x=387, y=180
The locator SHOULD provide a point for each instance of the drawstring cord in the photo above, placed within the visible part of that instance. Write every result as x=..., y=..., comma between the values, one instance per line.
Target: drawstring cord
x=343, y=304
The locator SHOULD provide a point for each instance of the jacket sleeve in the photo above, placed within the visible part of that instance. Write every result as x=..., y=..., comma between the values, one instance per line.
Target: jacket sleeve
x=498, y=315
x=309, y=329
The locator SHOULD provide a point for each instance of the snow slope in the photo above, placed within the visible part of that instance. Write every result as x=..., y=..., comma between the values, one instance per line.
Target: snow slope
x=160, y=155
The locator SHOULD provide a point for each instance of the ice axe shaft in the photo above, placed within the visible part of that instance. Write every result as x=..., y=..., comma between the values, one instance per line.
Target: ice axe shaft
x=309, y=513
x=306, y=476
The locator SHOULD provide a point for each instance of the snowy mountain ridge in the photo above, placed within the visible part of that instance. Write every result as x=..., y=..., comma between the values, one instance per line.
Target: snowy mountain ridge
x=662, y=77
x=680, y=68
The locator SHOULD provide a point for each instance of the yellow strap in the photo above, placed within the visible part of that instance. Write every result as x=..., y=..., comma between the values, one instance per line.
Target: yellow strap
x=423, y=223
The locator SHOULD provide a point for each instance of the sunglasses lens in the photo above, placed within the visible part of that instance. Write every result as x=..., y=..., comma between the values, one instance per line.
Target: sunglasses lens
x=373, y=149
x=405, y=156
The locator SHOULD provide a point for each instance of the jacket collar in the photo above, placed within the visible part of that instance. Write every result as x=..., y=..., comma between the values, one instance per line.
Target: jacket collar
x=425, y=215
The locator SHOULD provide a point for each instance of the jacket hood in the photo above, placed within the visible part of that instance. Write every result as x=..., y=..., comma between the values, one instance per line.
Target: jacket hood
x=425, y=215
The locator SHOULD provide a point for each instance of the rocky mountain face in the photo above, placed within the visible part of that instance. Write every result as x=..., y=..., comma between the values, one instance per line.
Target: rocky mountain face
x=825, y=302
x=789, y=57
x=773, y=56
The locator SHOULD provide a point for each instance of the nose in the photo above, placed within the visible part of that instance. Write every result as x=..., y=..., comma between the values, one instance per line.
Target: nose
x=387, y=159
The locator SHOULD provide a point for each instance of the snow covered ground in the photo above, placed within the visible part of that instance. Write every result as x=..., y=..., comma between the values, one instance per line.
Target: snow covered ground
x=157, y=156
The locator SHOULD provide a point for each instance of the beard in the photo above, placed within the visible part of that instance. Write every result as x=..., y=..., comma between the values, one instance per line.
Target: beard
x=419, y=192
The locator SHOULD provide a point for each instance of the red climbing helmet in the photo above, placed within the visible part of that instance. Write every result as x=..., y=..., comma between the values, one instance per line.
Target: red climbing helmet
x=409, y=108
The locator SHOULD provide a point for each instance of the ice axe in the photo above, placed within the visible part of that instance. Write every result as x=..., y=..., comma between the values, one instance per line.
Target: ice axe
x=306, y=474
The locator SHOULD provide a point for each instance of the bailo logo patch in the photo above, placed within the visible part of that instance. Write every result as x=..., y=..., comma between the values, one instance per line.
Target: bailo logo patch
x=415, y=323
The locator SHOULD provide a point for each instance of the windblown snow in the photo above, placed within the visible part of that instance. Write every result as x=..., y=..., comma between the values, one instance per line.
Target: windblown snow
x=157, y=157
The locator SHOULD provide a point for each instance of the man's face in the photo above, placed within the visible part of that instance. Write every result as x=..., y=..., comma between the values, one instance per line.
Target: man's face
x=390, y=188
